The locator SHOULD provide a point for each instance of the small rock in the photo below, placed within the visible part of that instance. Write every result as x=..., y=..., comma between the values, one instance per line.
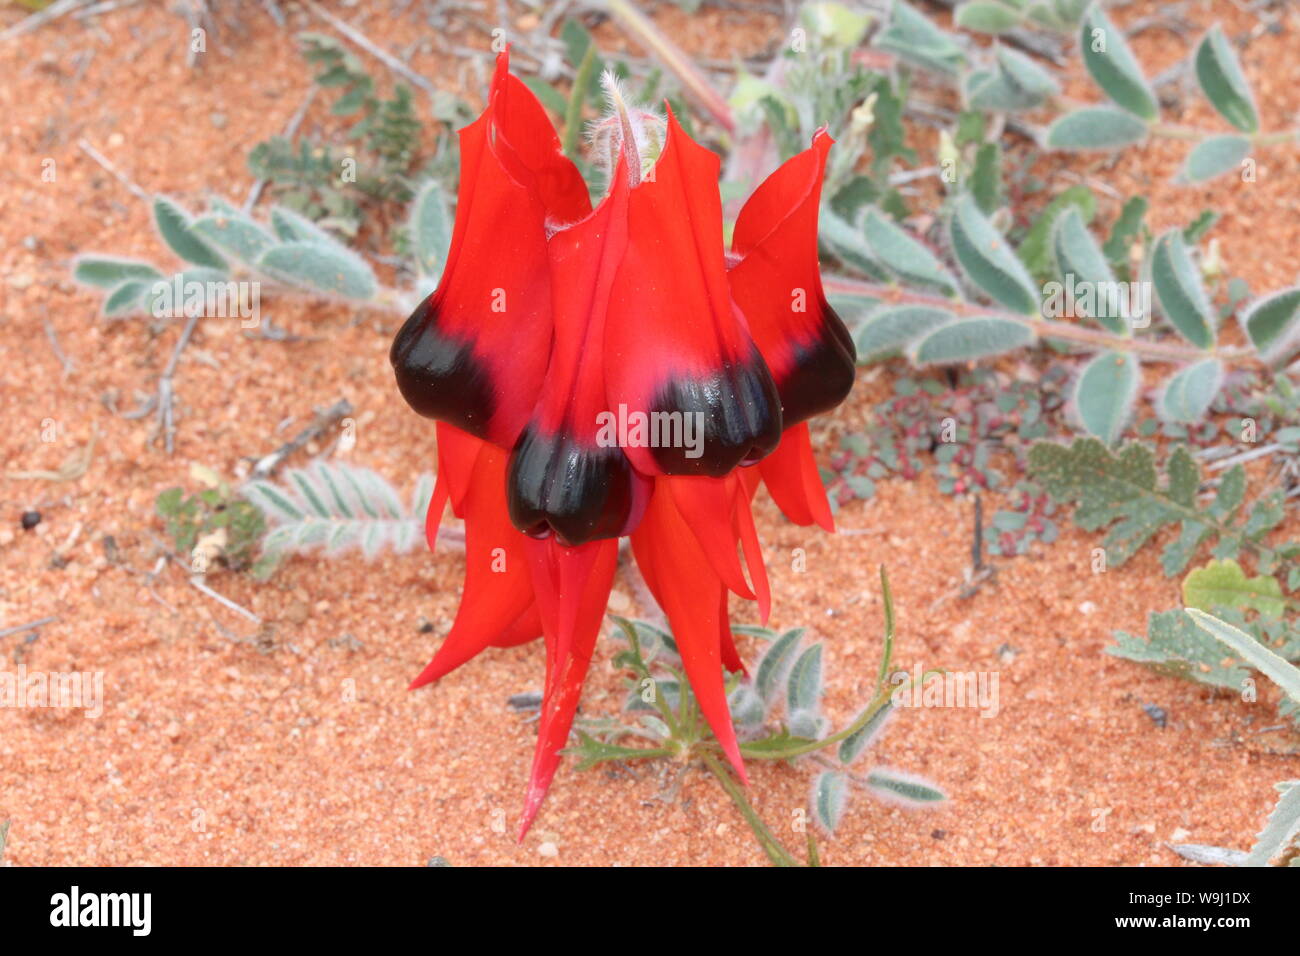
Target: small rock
x=1159, y=716
x=548, y=850
x=1087, y=607
x=30, y=520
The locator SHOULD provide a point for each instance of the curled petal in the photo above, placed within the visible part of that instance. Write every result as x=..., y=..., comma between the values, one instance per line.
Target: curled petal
x=497, y=598
x=791, y=476
x=474, y=353
x=677, y=350
x=572, y=587
x=684, y=583
x=717, y=512
x=776, y=281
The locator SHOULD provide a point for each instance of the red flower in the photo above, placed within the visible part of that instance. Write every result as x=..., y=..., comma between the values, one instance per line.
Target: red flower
x=608, y=372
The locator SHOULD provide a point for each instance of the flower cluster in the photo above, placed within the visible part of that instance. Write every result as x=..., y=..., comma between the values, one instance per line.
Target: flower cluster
x=603, y=372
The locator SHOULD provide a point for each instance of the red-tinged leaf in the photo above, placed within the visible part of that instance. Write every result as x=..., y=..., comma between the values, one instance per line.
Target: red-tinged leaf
x=676, y=344
x=474, y=353
x=775, y=278
x=572, y=587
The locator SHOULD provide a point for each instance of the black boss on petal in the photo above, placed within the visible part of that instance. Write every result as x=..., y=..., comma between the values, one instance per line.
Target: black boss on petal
x=735, y=413
x=555, y=483
x=823, y=372
x=439, y=376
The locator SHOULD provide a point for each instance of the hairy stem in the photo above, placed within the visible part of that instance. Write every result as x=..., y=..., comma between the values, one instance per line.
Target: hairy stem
x=766, y=839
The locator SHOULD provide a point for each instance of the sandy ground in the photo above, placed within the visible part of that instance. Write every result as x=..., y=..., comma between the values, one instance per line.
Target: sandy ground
x=258, y=751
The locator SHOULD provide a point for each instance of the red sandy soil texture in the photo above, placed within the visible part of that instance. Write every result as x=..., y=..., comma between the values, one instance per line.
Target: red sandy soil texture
x=224, y=744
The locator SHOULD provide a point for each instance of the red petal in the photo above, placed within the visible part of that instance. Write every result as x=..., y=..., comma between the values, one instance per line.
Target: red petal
x=708, y=506
x=572, y=586
x=794, y=482
x=563, y=477
x=498, y=591
x=474, y=353
x=727, y=641
x=693, y=597
x=676, y=342
x=777, y=284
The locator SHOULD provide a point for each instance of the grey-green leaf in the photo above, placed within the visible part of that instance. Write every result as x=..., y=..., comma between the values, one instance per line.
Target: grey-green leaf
x=326, y=269
x=1282, y=828
x=290, y=226
x=1079, y=259
x=126, y=298
x=903, y=255
x=1223, y=83
x=968, y=339
x=911, y=36
x=1113, y=66
x=1188, y=395
x=904, y=788
x=830, y=795
x=855, y=745
x=1214, y=156
x=1178, y=289
x=775, y=662
x=240, y=236
x=804, y=686
x=104, y=273
x=847, y=243
x=988, y=259
x=986, y=16
x=1105, y=393
x=891, y=329
x=1096, y=127
x=1272, y=323
x=1276, y=668
x=431, y=226
x=1026, y=73
x=177, y=231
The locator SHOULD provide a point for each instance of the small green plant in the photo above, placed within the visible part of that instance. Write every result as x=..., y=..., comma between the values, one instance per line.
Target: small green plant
x=332, y=186
x=1278, y=840
x=334, y=507
x=972, y=431
x=788, y=678
x=212, y=526
x=1123, y=492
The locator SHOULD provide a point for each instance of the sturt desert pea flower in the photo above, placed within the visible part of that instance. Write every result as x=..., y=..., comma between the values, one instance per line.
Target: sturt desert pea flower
x=553, y=319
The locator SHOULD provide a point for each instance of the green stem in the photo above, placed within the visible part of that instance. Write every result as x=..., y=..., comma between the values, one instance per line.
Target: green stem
x=578, y=96
x=766, y=839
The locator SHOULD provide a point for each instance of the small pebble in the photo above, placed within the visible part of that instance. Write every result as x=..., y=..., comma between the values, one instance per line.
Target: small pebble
x=548, y=850
x=30, y=520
